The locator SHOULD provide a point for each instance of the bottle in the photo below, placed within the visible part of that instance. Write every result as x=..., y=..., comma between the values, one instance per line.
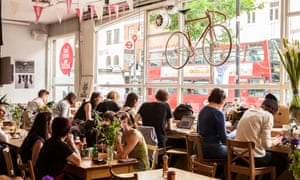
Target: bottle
x=77, y=142
x=165, y=166
x=83, y=148
x=95, y=153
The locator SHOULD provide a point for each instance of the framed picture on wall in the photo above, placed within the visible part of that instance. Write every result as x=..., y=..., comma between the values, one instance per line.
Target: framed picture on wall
x=86, y=83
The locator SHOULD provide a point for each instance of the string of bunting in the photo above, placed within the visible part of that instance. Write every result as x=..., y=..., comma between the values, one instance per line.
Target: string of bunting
x=96, y=7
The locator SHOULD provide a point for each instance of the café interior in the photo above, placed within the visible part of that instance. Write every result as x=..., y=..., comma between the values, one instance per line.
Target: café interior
x=96, y=47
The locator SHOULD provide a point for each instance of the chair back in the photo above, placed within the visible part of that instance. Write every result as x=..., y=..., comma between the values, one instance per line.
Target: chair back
x=240, y=160
x=154, y=150
x=207, y=169
x=115, y=176
x=192, y=140
x=26, y=168
x=240, y=155
x=8, y=162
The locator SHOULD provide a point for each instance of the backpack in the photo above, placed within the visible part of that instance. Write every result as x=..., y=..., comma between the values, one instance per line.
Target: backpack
x=181, y=110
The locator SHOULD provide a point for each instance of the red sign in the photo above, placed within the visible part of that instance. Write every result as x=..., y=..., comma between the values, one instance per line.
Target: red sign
x=66, y=58
x=134, y=37
x=128, y=45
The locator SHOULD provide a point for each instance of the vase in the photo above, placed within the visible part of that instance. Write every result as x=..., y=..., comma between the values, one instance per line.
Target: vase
x=110, y=153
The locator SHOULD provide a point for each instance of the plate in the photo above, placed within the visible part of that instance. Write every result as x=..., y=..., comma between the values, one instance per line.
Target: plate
x=99, y=161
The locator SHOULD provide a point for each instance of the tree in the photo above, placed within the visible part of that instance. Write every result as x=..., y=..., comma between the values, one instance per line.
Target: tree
x=198, y=7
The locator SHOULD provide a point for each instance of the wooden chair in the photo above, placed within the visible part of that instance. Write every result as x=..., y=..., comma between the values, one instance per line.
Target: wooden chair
x=115, y=176
x=26, y=169
x=176, y=151
x=195, y=138
x=154, y=150
x=243, y=151
x=8, y=162
x=208, y=169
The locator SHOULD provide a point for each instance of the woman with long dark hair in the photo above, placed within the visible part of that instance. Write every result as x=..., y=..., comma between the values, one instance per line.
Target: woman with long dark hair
x=38, y=134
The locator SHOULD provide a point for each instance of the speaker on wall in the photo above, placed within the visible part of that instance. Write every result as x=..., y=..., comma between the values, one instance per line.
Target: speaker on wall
x=6, y=71
x=39, y=35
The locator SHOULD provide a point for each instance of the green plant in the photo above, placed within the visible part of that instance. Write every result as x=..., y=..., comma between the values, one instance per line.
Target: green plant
x=290, y=60
x=16, y=112
x=109, y=132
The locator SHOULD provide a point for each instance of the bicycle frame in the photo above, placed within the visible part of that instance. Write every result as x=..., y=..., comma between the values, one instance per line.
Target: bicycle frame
x=208, y=18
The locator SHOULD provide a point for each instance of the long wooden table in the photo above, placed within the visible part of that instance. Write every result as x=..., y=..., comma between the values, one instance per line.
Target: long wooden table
x=89, y=170
x=179, y=174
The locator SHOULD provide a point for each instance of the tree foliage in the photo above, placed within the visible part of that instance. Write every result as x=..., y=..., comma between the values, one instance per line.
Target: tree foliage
x=198, y=7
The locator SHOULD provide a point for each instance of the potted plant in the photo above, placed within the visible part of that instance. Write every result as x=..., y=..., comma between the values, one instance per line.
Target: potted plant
x=294, y=155
x=290, y=60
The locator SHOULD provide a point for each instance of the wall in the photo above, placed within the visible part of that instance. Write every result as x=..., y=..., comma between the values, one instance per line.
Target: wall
x=19, y=44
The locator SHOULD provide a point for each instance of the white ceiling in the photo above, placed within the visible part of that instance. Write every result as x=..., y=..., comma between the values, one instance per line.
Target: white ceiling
x=21, y=11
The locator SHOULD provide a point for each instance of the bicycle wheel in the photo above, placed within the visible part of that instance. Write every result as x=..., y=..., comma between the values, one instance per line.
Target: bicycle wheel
x=177, y=50
x=215, y=40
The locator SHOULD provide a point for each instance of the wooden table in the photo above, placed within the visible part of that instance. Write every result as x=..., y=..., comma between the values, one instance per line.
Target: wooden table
x=89, y=170
x=180, y=175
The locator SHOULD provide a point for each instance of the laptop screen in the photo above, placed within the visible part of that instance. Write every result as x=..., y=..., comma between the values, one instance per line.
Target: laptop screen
x=186, y=122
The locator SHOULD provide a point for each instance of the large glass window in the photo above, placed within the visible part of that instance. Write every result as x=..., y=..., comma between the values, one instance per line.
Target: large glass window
x=62, y=63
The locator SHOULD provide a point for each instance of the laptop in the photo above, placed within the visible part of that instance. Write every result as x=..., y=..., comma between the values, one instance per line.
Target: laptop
x=186, y=122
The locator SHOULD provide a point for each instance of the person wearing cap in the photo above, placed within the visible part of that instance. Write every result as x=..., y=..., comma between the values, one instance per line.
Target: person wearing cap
x=256, y=125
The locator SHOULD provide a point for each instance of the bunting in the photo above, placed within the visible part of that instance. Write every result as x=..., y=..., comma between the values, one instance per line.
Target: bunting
x=79, y=12
x=38, y=11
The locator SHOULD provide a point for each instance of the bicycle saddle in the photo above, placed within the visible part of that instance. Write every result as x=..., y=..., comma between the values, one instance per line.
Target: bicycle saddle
x=184, y=11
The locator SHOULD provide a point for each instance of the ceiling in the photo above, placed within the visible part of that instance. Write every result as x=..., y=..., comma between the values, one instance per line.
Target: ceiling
x=21, y=11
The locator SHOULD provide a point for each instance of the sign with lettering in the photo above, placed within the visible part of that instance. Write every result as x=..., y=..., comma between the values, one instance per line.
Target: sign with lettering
x=66, y=58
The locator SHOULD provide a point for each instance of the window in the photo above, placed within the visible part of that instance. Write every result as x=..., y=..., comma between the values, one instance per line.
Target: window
x=130, y=32
x=117, y=36
x=274, y=11
x=251, y=17
x=108, y=61
x=108, y=37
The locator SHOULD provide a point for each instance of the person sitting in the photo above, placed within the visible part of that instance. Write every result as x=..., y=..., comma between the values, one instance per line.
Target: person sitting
x=37, y=135
x=62, y=108
x=3, y=136
x=256, y=125
x=39, y=101
x=85, y=111
x=57, y=151
x=110, y=103
x=132, y=143
x=130, y=106
x=211, y=126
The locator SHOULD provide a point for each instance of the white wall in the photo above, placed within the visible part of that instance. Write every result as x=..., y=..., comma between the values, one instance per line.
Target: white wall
x=19, y=44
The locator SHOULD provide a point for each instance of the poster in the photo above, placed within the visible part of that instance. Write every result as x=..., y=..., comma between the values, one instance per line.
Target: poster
x=24, y=74
x=85, y=87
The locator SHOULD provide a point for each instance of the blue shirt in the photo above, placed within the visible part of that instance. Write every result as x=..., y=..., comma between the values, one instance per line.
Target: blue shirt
x=211, y=126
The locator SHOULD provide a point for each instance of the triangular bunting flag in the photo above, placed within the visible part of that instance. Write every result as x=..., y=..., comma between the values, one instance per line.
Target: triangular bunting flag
x=124, y=8
x=14, y=7
x=130, y=4
x=38, y=11
x=116, y=9
x=92, y=10
x=59, y=13
x=69, y=3
x=99, y=11
x=79, y=12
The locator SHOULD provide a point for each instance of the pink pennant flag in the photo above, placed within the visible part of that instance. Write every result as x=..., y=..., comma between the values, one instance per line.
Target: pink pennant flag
x=59, y=13
x=79, y=12
x=124, y=8
x=38, y=11
x=68, y=2
x=14, y=7
x=99, y=11
x=130, y=4
x=92, y=9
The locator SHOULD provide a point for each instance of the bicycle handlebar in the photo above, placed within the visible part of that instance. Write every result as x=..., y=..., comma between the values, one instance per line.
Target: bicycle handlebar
x=217, y=12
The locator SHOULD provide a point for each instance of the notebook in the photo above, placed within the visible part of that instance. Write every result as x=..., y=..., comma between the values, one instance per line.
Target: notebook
x=186, y=122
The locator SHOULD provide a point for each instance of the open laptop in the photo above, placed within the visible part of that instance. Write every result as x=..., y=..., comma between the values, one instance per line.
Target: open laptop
x=186, y=122
x=185, y=125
